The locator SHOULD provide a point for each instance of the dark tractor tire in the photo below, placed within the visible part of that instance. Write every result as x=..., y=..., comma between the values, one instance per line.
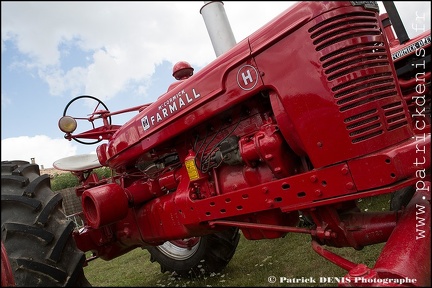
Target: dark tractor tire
x=35, y=232
x=195, y=257
x=401, y=198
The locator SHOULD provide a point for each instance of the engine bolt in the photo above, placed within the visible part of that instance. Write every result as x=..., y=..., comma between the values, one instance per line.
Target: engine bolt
x=349, y=185
x=268, y=156
x=344, y=170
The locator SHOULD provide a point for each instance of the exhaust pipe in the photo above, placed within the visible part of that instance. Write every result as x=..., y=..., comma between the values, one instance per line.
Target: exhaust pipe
x=218, y=26
x=396, y=21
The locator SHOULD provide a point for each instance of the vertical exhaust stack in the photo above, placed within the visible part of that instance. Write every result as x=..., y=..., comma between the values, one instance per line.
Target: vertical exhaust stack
x=396, y=21
x=218, y=26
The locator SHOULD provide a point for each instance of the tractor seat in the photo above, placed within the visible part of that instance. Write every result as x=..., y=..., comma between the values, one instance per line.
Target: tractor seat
x=78, y=163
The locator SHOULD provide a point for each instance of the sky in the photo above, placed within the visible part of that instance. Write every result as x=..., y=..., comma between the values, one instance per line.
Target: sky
x=119, y=52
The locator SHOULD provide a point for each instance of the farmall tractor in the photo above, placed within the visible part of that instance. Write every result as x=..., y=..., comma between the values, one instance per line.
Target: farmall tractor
x=321, y=107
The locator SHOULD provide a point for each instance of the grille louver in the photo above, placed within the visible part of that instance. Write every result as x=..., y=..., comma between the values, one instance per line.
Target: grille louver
x=358, y=74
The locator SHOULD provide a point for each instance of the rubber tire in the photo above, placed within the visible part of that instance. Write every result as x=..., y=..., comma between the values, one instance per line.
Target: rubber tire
x=213, y=254
x=401, y=198
x=35, y=231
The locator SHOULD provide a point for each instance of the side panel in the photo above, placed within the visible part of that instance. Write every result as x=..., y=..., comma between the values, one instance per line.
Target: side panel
x=335, y=92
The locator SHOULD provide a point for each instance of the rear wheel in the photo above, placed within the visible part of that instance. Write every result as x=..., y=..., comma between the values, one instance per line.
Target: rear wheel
x=36, y=236
x=197, y=256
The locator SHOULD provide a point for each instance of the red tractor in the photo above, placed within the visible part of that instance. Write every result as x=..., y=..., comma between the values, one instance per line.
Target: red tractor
x=304, y=117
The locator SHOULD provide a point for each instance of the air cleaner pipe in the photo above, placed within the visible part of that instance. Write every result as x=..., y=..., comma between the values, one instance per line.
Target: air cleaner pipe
x=103, y=205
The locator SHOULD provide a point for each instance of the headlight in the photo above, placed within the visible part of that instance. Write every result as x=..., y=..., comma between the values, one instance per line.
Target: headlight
x=67, y=124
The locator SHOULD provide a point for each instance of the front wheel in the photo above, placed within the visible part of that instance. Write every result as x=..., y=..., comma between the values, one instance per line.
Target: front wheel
x=401, y=198
x=37, y=243
x=197, y=256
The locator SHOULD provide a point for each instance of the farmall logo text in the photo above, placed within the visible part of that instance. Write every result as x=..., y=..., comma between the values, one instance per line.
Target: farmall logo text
x=168, y=108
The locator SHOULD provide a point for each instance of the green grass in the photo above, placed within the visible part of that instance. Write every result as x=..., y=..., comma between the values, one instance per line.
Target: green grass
x=252, y=264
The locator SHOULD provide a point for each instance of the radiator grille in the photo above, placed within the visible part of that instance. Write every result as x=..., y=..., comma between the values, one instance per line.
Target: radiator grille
x=394, y=115
x=359, y=73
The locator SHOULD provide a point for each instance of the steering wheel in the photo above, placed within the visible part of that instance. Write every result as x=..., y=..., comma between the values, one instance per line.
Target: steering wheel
x=99, y=113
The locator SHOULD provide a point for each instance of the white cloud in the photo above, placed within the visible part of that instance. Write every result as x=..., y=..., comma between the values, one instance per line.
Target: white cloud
x=125, y=40
x=5, y=100
x=60, y=82
x=45, y=150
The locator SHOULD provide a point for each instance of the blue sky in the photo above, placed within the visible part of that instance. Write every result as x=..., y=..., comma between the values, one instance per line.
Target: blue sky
x=119, y=52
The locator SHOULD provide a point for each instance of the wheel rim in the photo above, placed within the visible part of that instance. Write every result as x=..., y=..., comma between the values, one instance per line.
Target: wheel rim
x=180, y=249
x=7, y=277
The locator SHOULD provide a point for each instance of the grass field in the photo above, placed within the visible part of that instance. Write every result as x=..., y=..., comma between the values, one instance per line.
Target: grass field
x=252, y=265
